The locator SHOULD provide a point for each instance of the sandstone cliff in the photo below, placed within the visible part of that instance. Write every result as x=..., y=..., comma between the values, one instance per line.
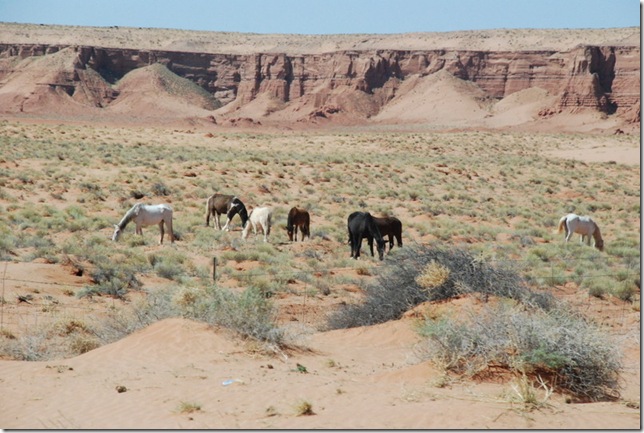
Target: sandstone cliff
x=351, y=86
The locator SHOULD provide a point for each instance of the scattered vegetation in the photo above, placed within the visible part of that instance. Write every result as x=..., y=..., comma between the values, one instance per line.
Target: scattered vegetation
x=475, y=189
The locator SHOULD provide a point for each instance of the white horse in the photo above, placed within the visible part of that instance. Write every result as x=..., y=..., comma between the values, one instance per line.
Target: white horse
x=582, y=225
x=259, y=216
x=146, y=215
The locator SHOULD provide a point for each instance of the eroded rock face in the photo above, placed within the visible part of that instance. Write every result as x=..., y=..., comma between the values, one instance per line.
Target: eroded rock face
x=360, y=83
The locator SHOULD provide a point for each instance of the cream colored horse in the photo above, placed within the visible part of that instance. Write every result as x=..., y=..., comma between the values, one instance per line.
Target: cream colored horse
x=259, y=216
x=582, y=225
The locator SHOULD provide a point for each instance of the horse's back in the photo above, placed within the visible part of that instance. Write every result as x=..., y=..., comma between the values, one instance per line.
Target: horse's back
x=362, y=223
x=163, y=207
x=390, y=223
x=220, y=202
x=263, y=213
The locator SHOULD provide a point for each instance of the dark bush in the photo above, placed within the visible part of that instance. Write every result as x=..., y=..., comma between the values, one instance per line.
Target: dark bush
x=396, y=289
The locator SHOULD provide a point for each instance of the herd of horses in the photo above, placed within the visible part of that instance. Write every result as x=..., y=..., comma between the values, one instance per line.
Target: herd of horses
x=360, y=225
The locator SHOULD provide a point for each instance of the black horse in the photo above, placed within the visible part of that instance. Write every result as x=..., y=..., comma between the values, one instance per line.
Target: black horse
x=362, y=225
x=218, y=204
x=392, y=227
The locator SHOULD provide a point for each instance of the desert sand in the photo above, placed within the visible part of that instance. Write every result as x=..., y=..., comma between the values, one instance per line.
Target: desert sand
x=362, y=378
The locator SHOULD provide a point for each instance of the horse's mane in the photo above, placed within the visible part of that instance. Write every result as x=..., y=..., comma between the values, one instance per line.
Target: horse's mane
x=243, y=212
x=130, y=214
x=375, y=230
x=597, y=234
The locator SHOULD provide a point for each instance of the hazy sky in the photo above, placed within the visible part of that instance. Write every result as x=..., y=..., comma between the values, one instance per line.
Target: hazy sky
x=326, y=16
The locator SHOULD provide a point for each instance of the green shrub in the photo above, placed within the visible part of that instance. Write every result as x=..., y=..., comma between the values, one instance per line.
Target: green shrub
x=111, y=279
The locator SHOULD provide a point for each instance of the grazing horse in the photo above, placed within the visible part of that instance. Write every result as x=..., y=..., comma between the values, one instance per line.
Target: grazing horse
x=392, y=227
x=582, y=225
x=298, y=218
x=230, y=205
x=362, y=225
x=146, y=215
x=259, y=216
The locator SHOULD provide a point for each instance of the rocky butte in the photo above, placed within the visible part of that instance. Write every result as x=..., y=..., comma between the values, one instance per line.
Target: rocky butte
x=354, y=80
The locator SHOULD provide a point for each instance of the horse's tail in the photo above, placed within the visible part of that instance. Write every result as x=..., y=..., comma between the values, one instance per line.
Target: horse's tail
x=562, y=224
x=268, y=222
x=209, y=209
x=307, y=225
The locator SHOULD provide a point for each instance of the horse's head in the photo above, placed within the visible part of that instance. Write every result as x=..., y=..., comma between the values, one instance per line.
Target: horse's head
x=289, y=231
x=117, y=233
x=381, y=248
x=599, y=244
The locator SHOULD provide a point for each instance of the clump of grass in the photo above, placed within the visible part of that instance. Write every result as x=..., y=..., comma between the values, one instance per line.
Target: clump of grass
x=433, y=275
x=111, y=279
x=527, y=392
x=304, y=408
x=557, y=344
x=168, y=264
x=250, y=313
x=189, y=407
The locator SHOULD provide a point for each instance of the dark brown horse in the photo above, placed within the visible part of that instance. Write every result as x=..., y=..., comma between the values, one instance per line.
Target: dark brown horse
x=392, y=227
x=362, y=225
x=298, y=218
x=230, y=205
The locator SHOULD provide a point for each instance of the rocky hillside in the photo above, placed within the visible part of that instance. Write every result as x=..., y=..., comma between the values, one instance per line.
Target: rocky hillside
x=344, y=79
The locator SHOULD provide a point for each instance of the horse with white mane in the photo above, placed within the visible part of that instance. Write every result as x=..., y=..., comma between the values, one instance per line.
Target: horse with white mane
x=259, y=216
x=145, y=215
x=582, y=225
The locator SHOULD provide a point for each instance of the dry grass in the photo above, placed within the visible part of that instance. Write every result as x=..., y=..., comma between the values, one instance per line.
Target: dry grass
x=498, y=195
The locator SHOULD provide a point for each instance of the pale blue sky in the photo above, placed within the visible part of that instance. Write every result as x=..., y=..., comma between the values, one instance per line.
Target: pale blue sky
x=326, y=16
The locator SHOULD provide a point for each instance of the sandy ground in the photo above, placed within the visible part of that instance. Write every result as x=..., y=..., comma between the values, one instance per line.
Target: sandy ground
x=354, y=379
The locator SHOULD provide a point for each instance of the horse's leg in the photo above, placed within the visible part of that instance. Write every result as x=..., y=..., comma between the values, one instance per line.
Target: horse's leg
x=568, y=234
x=169, y=226
x=225, y=227
x=217, y=221
x=267, y=232
x=399, y=239
x=295, y=232
x=370, y=241
x=161, y=230
x=355, y=246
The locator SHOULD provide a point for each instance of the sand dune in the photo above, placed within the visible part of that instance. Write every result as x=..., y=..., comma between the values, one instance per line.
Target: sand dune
x=357, y=378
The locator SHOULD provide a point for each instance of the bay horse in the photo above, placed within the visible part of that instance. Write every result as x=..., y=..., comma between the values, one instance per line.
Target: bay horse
x=362, y=225
x=145, y=215
x=392, y=227
x=259, y=216
x=582, y=225
x=230, y=205
x=298, y=218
